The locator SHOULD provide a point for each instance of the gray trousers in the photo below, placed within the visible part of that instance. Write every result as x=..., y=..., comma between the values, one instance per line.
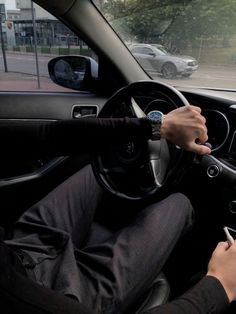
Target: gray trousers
x=106, y=275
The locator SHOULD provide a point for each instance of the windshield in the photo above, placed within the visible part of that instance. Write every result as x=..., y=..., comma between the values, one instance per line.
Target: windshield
x=183, y=43
x=160, y=48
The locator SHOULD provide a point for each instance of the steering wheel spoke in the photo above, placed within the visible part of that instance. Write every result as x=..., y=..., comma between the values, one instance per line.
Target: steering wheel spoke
x=138, y=112
x=159, y=160
x=152, y=164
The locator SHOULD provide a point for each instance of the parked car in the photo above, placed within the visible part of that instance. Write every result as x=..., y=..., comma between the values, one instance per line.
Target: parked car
x=154, y=58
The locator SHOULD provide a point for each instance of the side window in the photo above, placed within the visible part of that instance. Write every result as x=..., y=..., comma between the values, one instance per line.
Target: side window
x=31, y=37
x=137, y=50
x=147, y=51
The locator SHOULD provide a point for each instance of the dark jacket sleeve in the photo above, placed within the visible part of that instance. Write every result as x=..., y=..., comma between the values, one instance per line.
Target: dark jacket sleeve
x=208, y=296
x=65, y=137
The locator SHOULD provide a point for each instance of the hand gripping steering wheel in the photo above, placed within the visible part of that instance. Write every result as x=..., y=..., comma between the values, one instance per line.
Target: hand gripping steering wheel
x=137, y=169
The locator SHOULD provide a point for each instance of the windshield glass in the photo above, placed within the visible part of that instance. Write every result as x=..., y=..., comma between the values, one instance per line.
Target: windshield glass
x=183, y=43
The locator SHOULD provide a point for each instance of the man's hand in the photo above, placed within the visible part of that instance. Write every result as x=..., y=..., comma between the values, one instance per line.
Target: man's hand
x=186, y=127
x=223, y=266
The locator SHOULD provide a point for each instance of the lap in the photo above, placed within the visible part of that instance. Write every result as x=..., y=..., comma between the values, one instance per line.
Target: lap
x=106, y=274
x=68, y=210
x=126, y=264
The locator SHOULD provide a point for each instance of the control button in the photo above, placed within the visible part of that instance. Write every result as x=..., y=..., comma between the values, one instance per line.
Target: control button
x=213, y=171
x=232, y=207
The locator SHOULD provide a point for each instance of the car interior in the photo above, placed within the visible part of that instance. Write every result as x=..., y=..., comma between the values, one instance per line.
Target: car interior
x=117, y=86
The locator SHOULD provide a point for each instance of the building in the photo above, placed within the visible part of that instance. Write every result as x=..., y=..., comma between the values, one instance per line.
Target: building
x=3, y=22
x=25, y=8
x=2, y=7
x=12, y=15
x=17, y=29
x=49, y=31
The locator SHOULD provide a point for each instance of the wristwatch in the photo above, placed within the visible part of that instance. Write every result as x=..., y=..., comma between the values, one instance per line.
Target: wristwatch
x=156, y=118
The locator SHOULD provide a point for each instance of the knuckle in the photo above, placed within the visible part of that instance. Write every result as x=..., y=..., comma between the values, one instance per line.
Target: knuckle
x=188, y=109
x=191, y=109
x=200, y=119
x=201, y=130
x=203, y=119
x=195, y=108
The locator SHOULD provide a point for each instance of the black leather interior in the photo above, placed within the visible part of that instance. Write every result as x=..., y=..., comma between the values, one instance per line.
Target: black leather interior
x=158, y=294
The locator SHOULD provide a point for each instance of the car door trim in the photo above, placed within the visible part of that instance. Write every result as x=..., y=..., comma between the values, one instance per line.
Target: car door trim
x=38, y=174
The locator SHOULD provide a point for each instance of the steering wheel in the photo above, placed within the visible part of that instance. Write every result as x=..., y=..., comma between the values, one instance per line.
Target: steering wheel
x=137, y=169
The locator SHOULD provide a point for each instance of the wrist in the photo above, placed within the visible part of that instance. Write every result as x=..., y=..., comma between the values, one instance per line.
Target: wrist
x=164, y=129
x=228, y=291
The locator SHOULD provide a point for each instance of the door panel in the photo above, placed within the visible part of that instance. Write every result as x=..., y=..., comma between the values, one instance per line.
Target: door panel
x=32, y=105
x=23, y=181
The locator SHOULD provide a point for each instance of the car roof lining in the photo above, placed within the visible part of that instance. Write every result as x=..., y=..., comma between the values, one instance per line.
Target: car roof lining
x=57, y=7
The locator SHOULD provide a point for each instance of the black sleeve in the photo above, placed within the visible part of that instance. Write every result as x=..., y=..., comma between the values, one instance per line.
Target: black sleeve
x=208, y=296
x=65, y=137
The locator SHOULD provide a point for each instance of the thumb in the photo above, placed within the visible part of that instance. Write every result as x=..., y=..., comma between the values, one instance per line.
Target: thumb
x=199, y=149
x=222, y=246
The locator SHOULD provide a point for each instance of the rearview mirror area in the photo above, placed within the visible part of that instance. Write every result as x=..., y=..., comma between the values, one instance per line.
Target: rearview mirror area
x=74, y=72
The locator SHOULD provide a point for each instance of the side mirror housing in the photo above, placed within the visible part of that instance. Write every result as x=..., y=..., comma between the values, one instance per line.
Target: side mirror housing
x=75, y=72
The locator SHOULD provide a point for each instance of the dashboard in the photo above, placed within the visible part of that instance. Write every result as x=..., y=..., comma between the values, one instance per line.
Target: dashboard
x=219, y=109
x=217, y=122
x=218, y=128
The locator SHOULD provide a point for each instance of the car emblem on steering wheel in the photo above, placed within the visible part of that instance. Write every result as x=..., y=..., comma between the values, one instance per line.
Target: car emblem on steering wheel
x=129, y=148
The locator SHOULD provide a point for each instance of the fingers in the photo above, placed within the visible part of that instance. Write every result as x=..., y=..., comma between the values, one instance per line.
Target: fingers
x=201, y=133
x=198, y=109
x=222, y=246
x=184, y=127
x=199, y=149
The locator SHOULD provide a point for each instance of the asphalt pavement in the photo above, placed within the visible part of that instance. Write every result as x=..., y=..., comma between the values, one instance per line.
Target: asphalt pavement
x=22, y=75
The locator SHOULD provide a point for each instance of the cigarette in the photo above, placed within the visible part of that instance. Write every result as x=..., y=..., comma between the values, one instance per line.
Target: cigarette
x=229, y=238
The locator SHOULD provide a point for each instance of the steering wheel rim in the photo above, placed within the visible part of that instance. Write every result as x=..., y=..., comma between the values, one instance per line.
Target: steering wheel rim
x=158, y=159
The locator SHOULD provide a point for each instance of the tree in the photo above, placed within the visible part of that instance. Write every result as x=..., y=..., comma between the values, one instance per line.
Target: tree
x=180, y=22
x=144, y=20
x=203, y=19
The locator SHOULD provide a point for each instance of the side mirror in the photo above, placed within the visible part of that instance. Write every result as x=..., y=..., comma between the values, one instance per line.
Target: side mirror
x=75, y=72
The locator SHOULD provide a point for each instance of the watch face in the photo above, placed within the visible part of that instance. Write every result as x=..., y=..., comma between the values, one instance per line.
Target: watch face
x=155, y=115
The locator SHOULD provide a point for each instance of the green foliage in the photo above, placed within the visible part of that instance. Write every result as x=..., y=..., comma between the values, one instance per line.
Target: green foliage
x=180, y=22
x=144, y=20
x=206, y=20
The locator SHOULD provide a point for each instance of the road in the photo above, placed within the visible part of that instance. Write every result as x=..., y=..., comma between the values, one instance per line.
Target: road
x=25, y=63
x=22, y=76
x=207, y=76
